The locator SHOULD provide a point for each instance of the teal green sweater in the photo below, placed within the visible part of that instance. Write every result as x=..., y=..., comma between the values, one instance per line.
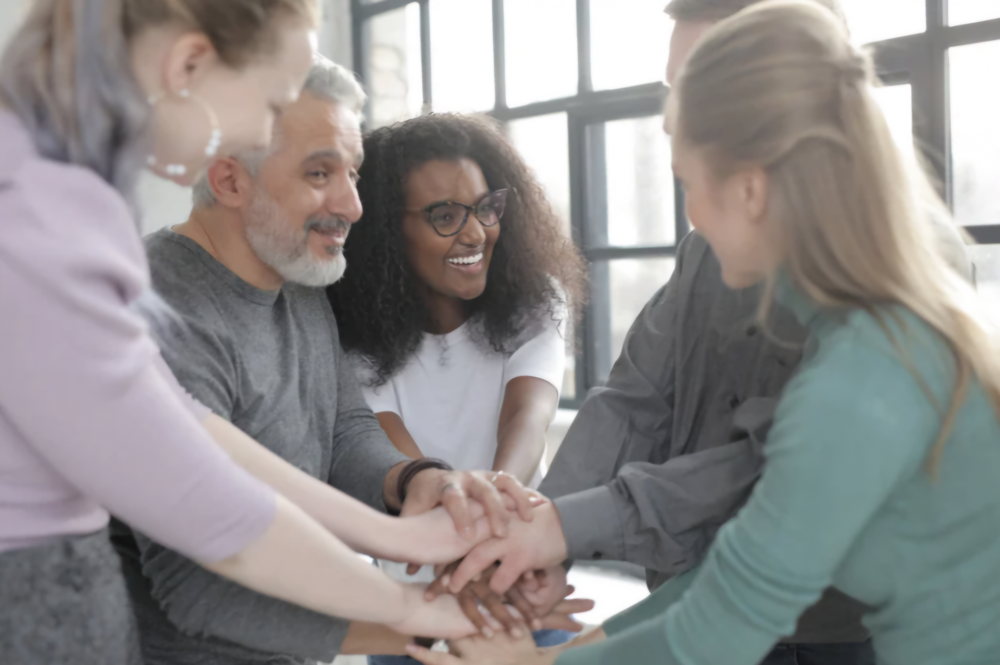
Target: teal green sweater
x=846, y=500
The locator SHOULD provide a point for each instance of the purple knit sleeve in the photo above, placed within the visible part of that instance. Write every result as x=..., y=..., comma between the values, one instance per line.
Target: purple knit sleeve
x=84, y=383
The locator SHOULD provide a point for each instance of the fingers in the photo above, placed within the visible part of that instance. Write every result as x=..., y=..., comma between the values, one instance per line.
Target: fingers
x=499, y=611
x=527, y=610
x=529, y=583
x=513, y=488
x=467, y=601
x=574, y=606
x=475, y=562
x=429, y=657
x=438, y=587
x=489, y=496
x=510, y=570
x=561, y=622
x=455, y=501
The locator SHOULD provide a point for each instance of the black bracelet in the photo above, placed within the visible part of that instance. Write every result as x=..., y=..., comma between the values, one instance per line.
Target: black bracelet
x=412, y=469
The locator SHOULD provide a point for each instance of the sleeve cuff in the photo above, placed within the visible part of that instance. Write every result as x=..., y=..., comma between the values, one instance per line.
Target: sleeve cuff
x=591, y=525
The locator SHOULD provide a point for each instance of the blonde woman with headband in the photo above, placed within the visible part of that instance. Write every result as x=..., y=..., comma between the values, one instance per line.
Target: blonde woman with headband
x=91, y=421
x=882, y=466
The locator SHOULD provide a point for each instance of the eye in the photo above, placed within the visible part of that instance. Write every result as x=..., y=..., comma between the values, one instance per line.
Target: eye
x=317, y=174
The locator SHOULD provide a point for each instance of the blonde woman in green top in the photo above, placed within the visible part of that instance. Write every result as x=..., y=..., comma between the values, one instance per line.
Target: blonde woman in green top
x=882, y=472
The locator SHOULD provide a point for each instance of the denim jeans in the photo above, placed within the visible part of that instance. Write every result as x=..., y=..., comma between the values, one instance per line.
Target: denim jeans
x=543, y=638
x=848, y=653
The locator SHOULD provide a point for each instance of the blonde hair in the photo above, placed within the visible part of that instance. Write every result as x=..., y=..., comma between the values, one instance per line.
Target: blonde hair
x=779, y=86
x=67, y=72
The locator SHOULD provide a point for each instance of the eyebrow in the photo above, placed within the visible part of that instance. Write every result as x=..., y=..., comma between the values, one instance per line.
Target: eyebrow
x=334, y=155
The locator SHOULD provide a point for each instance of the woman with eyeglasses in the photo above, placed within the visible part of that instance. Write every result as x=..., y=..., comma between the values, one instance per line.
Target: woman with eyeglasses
x=456, y=303
x=91, y=420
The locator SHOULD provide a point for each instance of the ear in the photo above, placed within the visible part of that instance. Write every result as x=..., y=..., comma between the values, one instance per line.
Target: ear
x=754, y=185
x=225, y=175
x=189, y=57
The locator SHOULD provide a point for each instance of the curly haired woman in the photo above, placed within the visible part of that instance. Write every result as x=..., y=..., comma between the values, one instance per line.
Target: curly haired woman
x=455, y=306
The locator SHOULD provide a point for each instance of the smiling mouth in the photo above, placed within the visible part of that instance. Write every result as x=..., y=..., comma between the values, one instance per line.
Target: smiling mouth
x=466, y=260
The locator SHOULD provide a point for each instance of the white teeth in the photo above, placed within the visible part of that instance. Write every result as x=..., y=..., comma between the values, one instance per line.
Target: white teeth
x=468, y=260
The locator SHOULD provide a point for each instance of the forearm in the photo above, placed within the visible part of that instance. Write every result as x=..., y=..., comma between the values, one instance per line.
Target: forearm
x=371, y=639
x=297, y=561
x=520, y=446
x=358, y=526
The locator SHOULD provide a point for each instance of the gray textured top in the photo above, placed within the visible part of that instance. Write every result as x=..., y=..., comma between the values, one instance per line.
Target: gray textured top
x=669, y=449
x=271, y=363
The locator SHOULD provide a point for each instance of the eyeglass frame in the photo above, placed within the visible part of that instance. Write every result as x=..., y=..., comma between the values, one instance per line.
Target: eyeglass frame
x=468, y=210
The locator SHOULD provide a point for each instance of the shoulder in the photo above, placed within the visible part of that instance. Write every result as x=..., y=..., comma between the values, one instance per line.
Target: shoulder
x=71, y=220
x=185, y=284
x=886, y=366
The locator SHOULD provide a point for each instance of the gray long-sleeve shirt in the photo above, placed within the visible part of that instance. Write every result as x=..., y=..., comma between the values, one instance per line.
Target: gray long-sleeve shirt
x=668, y=450
x=271, y=363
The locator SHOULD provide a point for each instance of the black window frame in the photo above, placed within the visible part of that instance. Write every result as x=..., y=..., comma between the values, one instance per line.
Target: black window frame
x=920, y=60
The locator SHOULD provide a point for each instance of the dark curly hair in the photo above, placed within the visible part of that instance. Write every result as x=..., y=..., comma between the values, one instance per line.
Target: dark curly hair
x=535, y=271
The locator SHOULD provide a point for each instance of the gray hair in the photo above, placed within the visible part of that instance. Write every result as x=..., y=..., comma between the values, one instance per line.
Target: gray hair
x=327, y=81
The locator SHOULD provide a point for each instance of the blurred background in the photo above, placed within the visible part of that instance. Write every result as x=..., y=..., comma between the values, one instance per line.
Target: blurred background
x=578, y=84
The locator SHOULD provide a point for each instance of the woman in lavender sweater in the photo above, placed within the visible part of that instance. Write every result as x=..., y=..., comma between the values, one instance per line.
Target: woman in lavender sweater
x=91, y=421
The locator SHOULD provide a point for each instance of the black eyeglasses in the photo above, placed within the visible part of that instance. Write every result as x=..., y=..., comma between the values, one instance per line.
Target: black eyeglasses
x=449, y=218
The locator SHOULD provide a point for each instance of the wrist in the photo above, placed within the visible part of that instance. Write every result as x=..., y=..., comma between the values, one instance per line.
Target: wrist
x=412, y=470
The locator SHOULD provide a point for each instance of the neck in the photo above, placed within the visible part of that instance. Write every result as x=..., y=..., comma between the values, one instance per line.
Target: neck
x=219, y=231
x=447, y=313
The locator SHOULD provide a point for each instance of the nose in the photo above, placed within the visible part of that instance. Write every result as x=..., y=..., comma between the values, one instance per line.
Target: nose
x=474, y=233
x=343, y=199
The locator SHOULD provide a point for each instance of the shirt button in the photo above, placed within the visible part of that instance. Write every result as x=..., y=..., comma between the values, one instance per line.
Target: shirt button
x=734, y=402
x=597, y=555
x=751, y=330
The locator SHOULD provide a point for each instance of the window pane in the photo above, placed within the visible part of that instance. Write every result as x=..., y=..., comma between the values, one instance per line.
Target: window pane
x=633, y=283
x=897, y=105
x=987, y=261
x=885, y=19
x=971, y=11
x=462, y=55
x=543, y=143
x=975, y=133
x=640, y=183
x=629, y=41
x=396, y=82
x=527, y=24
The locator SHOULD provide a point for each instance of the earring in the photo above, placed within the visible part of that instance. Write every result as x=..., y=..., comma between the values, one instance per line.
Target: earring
x=214, y=139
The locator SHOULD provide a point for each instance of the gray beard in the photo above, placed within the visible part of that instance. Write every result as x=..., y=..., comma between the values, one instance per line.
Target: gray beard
x=285, y=250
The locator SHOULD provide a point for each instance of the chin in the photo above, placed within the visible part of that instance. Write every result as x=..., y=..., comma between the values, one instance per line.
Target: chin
x=740, y=280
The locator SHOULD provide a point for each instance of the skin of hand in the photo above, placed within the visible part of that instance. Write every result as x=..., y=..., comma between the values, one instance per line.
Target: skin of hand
x=456, y=490
x=431, y=538
x=502, y=649
x=544, y=589
x=540, y=600
x=442, y=617
x=530, y=546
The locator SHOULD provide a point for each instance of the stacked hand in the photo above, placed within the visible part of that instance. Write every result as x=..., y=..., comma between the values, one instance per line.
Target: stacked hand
x=539, y=601
x=500, y=650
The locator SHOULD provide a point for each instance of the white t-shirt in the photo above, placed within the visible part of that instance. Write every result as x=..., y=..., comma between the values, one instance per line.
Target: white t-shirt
x=450, y=392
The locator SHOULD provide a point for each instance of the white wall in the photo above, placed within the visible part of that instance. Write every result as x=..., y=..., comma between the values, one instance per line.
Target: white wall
x=163, y=202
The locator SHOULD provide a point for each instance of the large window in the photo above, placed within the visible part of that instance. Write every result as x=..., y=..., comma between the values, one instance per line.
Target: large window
x=578, y=83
